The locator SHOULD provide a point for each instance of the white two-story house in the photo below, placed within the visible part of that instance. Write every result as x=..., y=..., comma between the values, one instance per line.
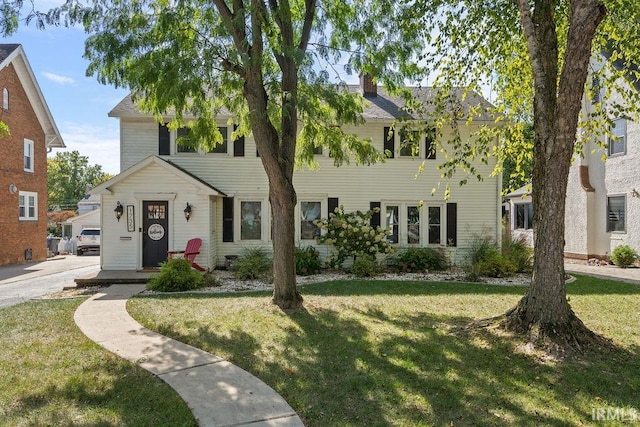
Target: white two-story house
x=225, y=192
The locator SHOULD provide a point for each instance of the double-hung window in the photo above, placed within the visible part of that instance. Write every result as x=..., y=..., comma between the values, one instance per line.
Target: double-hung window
x=409, y=143
x=524, y=216
x=618, y=137
x=184, y=144
x=392, y=223
x=616, y=213
x=28, y=155
x=222, y=147
x=27, y=206
x=250, y=220
x=310, y=211
x=412, y=224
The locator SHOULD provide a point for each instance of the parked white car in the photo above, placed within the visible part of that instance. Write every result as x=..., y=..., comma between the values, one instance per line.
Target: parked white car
x=88, y=240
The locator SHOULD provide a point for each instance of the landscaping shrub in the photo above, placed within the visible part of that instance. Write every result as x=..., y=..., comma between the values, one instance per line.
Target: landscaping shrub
x=253, y=263
x=623, y=256
x=365, y=266
x=518, y=252
x=352, y=236
x=176, y=275
x=494, y=264
x=485, y=259
x=308, y=261
x=415, y=260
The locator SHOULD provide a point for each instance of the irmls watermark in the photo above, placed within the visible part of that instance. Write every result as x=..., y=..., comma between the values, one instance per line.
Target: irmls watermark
x=608, y=413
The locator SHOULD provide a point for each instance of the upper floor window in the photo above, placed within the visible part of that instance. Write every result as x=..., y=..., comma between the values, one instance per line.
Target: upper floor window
x=616, y=213
x=28, y=155
x=183, y=141
x=524, y=216
x=27, y=206
x=618, y=137
x=184, y=144
x=250, y=220
x=5, y=98
x=409, y=143
x=222, y=148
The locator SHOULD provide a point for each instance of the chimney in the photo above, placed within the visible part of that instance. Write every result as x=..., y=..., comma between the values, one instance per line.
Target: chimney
x=368, y=85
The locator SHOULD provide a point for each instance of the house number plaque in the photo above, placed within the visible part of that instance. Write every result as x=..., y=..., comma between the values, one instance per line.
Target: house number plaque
x=131, y=221
x=155, y=232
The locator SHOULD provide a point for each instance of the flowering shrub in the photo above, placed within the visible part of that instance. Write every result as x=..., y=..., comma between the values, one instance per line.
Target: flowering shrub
x=352, y=236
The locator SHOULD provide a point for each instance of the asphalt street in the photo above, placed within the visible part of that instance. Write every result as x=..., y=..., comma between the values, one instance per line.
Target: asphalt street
x=22, y=282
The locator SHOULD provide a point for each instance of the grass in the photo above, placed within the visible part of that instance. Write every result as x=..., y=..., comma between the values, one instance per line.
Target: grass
x=388, y=353
x=52, y=375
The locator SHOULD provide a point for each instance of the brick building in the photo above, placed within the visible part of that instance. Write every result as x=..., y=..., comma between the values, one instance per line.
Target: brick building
x=23, y=159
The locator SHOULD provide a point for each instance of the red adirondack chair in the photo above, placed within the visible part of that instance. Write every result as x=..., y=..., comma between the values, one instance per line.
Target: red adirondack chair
x=190, y=252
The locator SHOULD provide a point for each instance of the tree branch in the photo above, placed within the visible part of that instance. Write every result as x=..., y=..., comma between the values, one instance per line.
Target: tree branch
x=309, y=14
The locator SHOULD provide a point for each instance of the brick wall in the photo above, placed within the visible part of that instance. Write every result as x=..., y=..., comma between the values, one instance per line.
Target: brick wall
x=15, y=235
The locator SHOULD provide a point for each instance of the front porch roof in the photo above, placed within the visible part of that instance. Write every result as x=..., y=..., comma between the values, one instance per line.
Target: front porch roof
x=202, y=186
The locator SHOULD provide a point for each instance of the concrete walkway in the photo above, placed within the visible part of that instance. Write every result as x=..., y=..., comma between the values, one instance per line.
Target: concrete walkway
x=630, y=275
x=217, y=392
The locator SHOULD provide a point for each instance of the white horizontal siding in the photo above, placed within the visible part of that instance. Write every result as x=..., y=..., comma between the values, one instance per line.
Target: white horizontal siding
x=355, y=186
x=121, y=253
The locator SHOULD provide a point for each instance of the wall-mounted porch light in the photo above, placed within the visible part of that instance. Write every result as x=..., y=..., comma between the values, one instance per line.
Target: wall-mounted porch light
x=118, y=210
x=187, y=212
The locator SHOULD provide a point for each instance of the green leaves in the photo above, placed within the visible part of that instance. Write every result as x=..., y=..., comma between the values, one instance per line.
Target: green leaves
x=68, y=177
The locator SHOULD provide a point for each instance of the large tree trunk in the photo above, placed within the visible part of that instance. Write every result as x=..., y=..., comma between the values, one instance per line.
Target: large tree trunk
x=277, y=152
x=544, y=313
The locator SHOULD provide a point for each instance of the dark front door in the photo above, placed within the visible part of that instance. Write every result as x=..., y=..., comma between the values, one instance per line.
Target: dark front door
x=155, y=233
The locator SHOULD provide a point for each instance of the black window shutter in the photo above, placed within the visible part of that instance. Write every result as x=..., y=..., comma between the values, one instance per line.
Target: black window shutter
x=227, y=219
x=238, y=145
x=430, y=144
x=332, y=205
x=389, y=138
x=375, y=219
x=164, y=141
x=452, y=224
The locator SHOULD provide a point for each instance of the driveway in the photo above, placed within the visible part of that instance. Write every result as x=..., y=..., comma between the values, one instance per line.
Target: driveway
x=22, y=282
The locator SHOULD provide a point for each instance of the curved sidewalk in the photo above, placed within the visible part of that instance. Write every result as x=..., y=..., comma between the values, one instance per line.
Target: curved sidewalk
x=217, y=392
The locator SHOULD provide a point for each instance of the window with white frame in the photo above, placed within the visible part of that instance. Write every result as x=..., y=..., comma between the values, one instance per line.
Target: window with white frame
x=222, y=147
x=618, y=137
x=413, y=224
x=616, y=213
x=524, y=216
x=392, y=223
x=5, y=98
x=27, y=206
x=184, y=144
x=409, y=143
x=310, y=211
x=435, y=224
x=28, y=155
x=250, y=220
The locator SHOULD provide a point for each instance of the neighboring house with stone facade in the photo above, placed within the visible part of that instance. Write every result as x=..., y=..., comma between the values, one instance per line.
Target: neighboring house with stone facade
x=225, y=191
x=603, y=191
x=603, y=199
x=23, y=159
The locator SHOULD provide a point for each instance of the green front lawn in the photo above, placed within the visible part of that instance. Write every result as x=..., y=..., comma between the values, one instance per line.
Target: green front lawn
x=368, y=353
x=52, y=375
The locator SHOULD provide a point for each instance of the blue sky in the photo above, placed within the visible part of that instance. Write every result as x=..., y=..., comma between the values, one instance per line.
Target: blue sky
x=79, y=104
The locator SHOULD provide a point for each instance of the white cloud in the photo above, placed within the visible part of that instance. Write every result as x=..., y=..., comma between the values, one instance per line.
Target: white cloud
x=56, y=78
x=100, y=144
